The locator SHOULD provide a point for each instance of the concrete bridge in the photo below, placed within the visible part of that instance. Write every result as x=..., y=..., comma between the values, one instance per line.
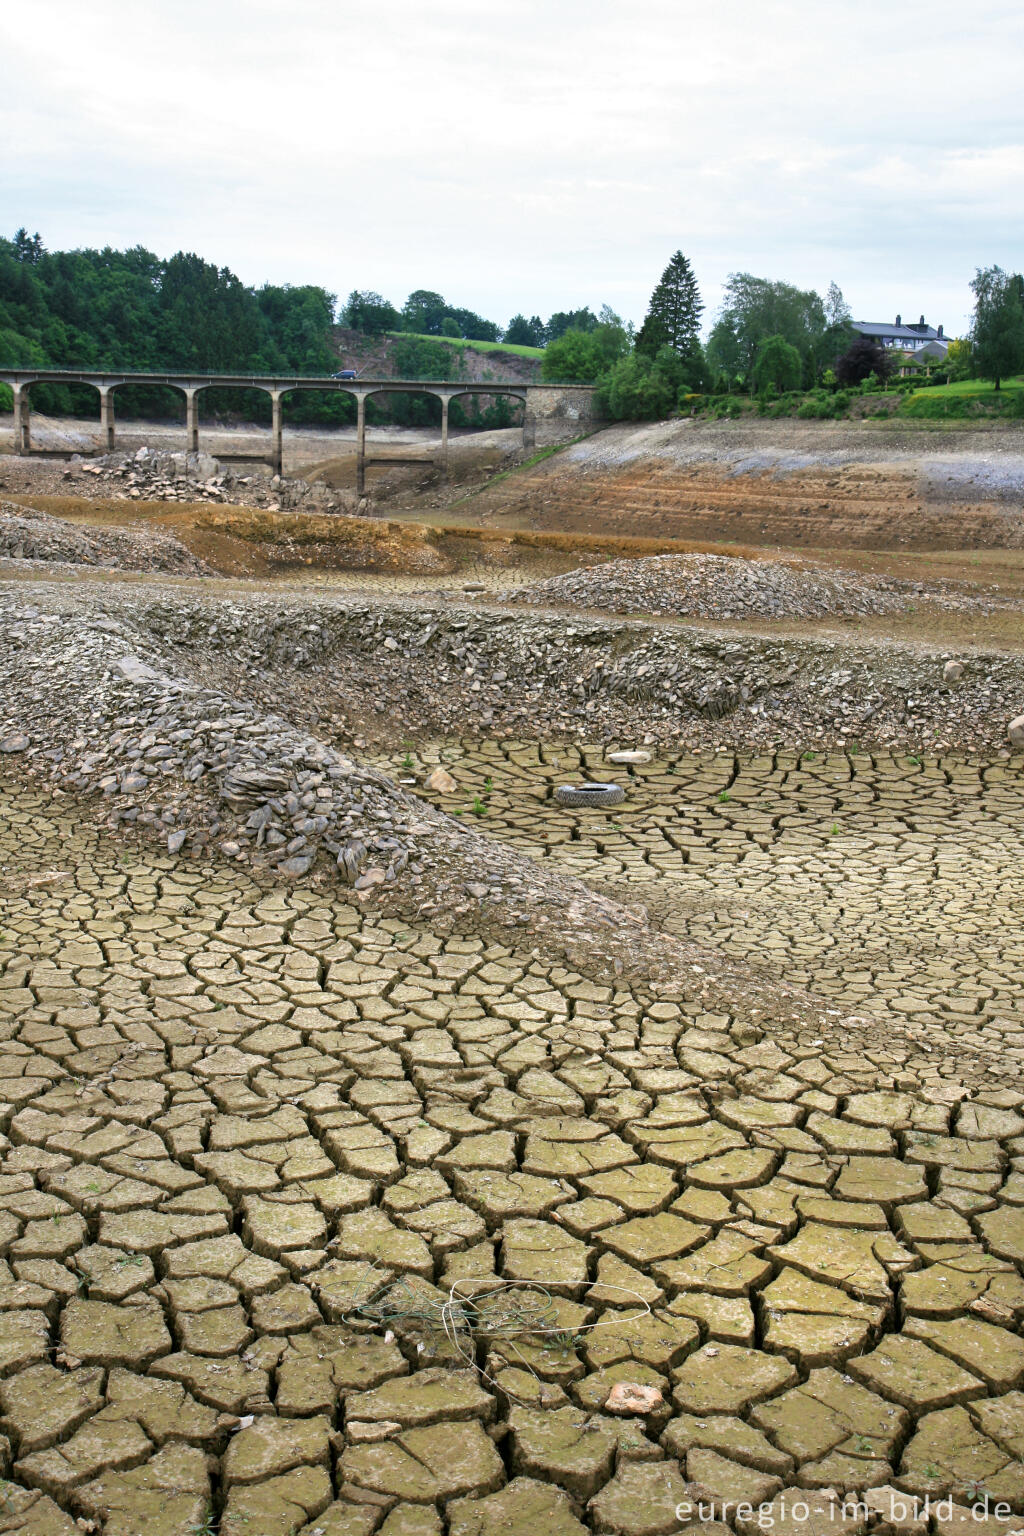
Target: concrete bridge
x=551, y=403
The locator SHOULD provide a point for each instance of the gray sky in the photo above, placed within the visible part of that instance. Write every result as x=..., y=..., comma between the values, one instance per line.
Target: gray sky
x=533, y=154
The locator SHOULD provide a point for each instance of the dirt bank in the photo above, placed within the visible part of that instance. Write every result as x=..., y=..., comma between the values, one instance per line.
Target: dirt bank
x=861, y=485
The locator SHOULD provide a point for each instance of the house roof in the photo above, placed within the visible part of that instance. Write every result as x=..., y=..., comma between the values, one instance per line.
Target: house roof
x=900, y=332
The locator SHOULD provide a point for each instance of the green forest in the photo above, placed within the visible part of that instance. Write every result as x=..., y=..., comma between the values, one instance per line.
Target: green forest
x=133, y=310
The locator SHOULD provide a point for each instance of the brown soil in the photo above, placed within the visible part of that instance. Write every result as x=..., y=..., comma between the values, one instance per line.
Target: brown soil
x=863, y=486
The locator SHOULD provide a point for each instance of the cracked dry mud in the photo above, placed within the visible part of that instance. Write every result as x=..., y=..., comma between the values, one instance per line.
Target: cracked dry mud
x=255, y=1134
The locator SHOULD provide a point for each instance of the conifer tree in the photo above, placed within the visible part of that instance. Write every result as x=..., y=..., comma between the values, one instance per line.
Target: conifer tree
x=673, y=316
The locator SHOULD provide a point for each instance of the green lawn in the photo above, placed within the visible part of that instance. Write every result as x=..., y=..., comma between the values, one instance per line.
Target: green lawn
x=969, y=387
x=478, y=346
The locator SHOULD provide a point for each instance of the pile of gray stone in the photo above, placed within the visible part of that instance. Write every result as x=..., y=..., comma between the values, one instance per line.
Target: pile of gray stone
x=150, y=475
x=730, y=587
x=30, y=535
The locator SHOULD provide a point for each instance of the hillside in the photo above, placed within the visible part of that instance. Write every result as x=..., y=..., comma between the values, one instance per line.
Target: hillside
x=375, y=357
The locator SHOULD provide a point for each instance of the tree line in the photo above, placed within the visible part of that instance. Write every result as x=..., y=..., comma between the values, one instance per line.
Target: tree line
x=134, y=311
x=426, y=313
x=768, y=339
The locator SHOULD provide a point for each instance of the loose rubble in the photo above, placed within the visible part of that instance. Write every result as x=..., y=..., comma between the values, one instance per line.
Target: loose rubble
x=730, y=587
x=29, y=535
x=382, y=669
x=146, y=475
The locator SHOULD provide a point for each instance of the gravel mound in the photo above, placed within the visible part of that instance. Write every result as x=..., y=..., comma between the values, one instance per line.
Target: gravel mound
x=728, y=587
x=26, y=534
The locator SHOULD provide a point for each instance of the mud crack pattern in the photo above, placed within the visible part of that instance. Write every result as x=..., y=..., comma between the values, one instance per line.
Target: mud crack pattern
x=234, y=1115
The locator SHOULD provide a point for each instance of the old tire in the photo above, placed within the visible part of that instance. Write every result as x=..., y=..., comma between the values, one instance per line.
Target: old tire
x=590, y=794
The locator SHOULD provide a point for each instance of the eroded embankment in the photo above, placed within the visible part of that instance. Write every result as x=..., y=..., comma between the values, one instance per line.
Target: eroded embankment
x=851, y=486
x=387, y=668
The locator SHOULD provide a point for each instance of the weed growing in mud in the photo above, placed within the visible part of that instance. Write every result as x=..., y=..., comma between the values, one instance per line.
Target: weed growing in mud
x=724, y=795
x=535, y=458
x=478, y=808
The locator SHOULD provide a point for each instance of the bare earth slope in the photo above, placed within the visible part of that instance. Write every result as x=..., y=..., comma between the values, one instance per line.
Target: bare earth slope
x=855, y=485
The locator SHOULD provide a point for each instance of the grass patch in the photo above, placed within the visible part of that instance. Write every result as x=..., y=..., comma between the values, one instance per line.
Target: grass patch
x=461, y=342
x=969, y=398
x=535, y=458
x=971, y=387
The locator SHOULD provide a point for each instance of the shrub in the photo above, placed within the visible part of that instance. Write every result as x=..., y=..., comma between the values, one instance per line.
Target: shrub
x=635, y=390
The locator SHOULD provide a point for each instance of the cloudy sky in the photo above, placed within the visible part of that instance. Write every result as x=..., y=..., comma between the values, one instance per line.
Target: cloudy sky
x=528, y=154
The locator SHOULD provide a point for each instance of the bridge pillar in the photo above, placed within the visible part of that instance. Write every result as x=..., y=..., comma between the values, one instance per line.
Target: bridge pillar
x=277, y=451
x=360, y=445
x=192, y=420
x=22, y=419
x=107, y=431
x=445, y=402
x=529, y=427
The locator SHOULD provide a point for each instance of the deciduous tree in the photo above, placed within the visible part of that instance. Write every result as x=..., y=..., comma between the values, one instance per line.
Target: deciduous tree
x=861, y=359
x=778, y=365
x=756, y=308
x=368, y=311
x=997, y=335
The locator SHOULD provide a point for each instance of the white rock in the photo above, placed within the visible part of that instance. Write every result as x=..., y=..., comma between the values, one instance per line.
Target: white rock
x=630, y=757
x=1015, y=731
x=633, y=1397
x=953, y=671
x=441, y=782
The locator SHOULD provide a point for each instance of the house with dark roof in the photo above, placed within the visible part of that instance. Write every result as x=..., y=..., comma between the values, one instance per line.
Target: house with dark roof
x=921, y=340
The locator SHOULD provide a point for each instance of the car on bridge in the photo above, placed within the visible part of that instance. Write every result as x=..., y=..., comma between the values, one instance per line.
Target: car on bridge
x=346, y=373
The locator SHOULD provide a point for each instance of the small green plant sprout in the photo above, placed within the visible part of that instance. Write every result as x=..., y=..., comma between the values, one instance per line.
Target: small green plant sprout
x=724, y=795
x=833, y=830
x=912, y=757
x=488, y=784
x=930, y=1471
x=478, y=808
x=206, y=1526
x=808, y=757
x=407, y=761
